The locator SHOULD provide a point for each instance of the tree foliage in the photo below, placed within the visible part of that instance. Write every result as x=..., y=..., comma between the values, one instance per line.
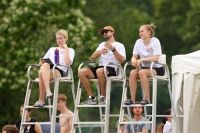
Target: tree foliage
x=27, y=31
x=191, y=28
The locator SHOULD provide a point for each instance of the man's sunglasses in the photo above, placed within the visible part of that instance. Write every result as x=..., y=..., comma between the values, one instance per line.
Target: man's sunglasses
x=105, y=31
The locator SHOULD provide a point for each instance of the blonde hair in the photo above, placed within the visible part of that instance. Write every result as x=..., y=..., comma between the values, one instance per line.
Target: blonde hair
x=124, y=120
x=62, y=97
x=62, y=32
x=10, y=129
x=150, y=27
x=160, y=128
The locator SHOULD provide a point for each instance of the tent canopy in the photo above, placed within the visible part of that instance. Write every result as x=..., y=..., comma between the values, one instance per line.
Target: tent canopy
x=185, y=91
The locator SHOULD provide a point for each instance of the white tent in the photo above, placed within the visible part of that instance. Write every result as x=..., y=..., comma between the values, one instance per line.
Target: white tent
x=185, y=92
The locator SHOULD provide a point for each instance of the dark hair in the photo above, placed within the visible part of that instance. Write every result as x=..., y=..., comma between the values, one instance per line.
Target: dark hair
x=167, y=112
x=10, y=129
x=131, y=108
x=114, y=35
x=28, y=109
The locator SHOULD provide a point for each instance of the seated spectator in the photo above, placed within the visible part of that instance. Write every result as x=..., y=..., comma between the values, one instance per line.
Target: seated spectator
x=149, y=49
x=167, y=122
x=66, y=57
x=165, y=126
x=65, y=122
x=36, y=128
x=137, y=111
x=10, y=129
x=122, y=125
x=108, y=51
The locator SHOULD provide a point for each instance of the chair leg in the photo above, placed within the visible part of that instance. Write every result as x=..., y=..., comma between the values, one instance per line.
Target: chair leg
x=107, y=109
x=154, y=105
x=100, y=108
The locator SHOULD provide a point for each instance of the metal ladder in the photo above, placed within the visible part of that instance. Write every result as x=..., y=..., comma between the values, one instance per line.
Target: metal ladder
x=104, y=118
x=154, y=80
x=68, y=78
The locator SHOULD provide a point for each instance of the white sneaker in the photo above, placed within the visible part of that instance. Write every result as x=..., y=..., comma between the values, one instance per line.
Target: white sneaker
x=102, y=101
x=89, y=101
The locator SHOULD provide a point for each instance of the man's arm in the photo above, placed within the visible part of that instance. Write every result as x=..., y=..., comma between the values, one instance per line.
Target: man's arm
x=143, y=131
x=98, y=53
x=70, y=123
x=118, y=56
x=38, y=128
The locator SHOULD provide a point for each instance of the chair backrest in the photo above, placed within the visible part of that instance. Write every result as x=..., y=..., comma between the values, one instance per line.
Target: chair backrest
x=67, y=75
x=163, y=59
x=119, y=73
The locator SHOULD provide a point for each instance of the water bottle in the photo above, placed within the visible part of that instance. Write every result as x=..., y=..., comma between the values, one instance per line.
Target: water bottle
x=106, y=55
x=56, y=56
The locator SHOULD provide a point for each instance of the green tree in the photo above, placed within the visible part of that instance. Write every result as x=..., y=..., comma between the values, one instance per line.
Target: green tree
x=27, y=31
x=170, y=17
x=191, y=28
x=125, y=16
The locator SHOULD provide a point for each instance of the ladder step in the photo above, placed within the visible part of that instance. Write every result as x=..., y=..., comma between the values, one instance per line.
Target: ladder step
x=112, y=115
x=161, y=115
x=133, y=105
x=90, y=105
x=89, y=123
x=65, y=116
x=33, y=123
x=136, y=122
x=45, y=106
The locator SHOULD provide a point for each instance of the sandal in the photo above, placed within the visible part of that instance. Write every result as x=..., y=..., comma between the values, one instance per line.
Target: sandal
x=144, y=102
x=49, y=95
x=128, y=102
x=39, y=104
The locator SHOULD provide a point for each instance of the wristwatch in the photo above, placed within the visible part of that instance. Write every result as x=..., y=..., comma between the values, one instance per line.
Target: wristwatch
x=113, y=50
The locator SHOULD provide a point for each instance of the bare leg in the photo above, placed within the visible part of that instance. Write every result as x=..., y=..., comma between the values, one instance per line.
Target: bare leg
x=45, y=75
x=144, y=75
x=41, y=87
x=44, y=82
x=133, y=83
x=101, y=80
x=84, y=75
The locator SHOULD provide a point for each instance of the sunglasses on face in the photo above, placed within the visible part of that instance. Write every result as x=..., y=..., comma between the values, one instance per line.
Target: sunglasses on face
x=105, y=31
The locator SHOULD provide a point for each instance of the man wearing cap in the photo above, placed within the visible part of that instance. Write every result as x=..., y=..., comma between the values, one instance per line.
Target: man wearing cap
x=108, y=51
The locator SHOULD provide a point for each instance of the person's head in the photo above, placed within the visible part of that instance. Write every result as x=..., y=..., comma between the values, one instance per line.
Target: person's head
x=10, y=129
x=137, y=110
x=61, y=36
x=107, y=32
x=147, y=31
x=29, y=110
x=167, y=112
x=122, y=125
x=62, y=100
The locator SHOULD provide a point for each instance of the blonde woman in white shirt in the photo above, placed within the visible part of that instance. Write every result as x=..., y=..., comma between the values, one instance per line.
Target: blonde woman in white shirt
x=66, y=56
